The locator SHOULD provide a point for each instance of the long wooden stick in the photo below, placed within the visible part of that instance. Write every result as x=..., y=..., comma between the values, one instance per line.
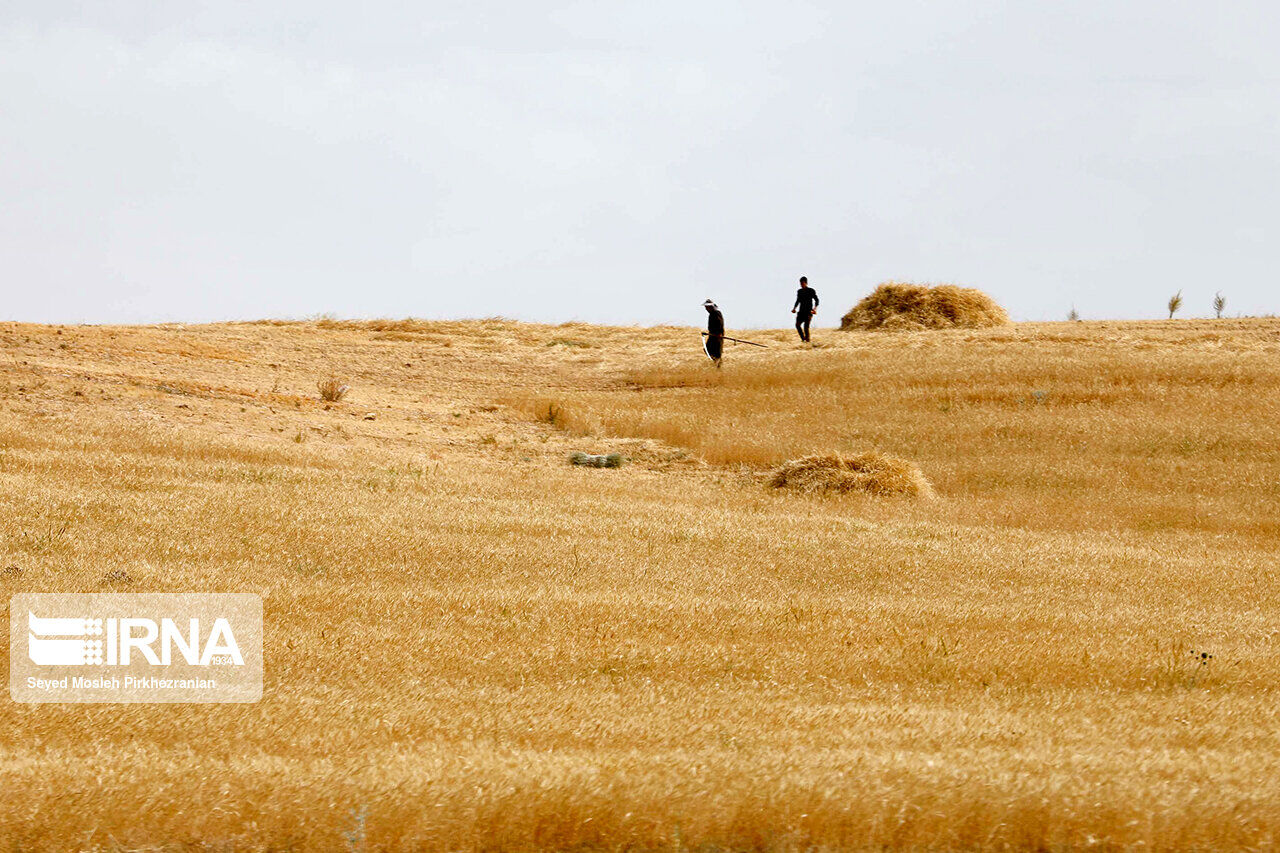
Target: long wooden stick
x=738, y=340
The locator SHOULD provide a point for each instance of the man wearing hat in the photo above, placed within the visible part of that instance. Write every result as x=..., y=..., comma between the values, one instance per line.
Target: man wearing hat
x=714, y=344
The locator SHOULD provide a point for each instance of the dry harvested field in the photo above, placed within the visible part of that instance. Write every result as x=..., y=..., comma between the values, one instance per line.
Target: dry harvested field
x=472, y=644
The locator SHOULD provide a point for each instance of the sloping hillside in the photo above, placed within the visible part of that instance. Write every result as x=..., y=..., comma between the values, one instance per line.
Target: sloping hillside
x=472, y=644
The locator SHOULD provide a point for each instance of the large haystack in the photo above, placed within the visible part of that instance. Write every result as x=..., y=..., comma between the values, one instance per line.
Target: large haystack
x=869, y=472
x=898, y=305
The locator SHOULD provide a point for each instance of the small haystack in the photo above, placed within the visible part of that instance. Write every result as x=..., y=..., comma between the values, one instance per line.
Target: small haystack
x=898, y=305
x=871, y=472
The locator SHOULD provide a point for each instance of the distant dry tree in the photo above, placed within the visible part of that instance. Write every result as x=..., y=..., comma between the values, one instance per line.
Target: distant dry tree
x=1074, y=315
x=332, y=389
x=1219, y=302
x=1175, y=302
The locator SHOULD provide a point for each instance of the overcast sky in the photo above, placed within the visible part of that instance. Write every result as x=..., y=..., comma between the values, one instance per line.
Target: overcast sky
x=620, y=162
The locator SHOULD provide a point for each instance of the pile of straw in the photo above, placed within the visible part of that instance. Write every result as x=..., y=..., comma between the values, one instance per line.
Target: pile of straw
x=898, y=305
x=871, y=472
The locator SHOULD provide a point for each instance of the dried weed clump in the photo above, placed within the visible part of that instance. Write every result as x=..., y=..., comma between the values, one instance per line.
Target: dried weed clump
x=332, y=389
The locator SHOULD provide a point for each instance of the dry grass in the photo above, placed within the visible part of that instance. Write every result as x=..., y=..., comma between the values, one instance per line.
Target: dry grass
x=869, y=472
x=899, y=306
x=332, y=389
x=472, y=644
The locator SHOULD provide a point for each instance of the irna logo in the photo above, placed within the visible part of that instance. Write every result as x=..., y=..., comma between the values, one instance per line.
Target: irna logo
x=75, y=641
x=135, y=647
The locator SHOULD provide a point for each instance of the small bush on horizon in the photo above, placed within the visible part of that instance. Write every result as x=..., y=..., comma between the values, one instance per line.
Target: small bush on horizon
x=1219, y=302
x=1175, y=302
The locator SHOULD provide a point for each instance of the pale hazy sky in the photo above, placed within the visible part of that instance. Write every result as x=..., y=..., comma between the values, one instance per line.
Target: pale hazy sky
x=621, y=162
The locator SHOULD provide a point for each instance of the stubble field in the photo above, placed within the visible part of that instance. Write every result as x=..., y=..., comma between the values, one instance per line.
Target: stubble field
x=471, y=644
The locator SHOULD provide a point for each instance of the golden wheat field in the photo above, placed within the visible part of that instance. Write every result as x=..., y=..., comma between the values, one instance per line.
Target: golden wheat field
x=472, y=644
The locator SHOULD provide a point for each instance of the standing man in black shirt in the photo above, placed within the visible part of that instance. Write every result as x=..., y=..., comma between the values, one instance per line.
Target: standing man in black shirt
x=805, y=307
